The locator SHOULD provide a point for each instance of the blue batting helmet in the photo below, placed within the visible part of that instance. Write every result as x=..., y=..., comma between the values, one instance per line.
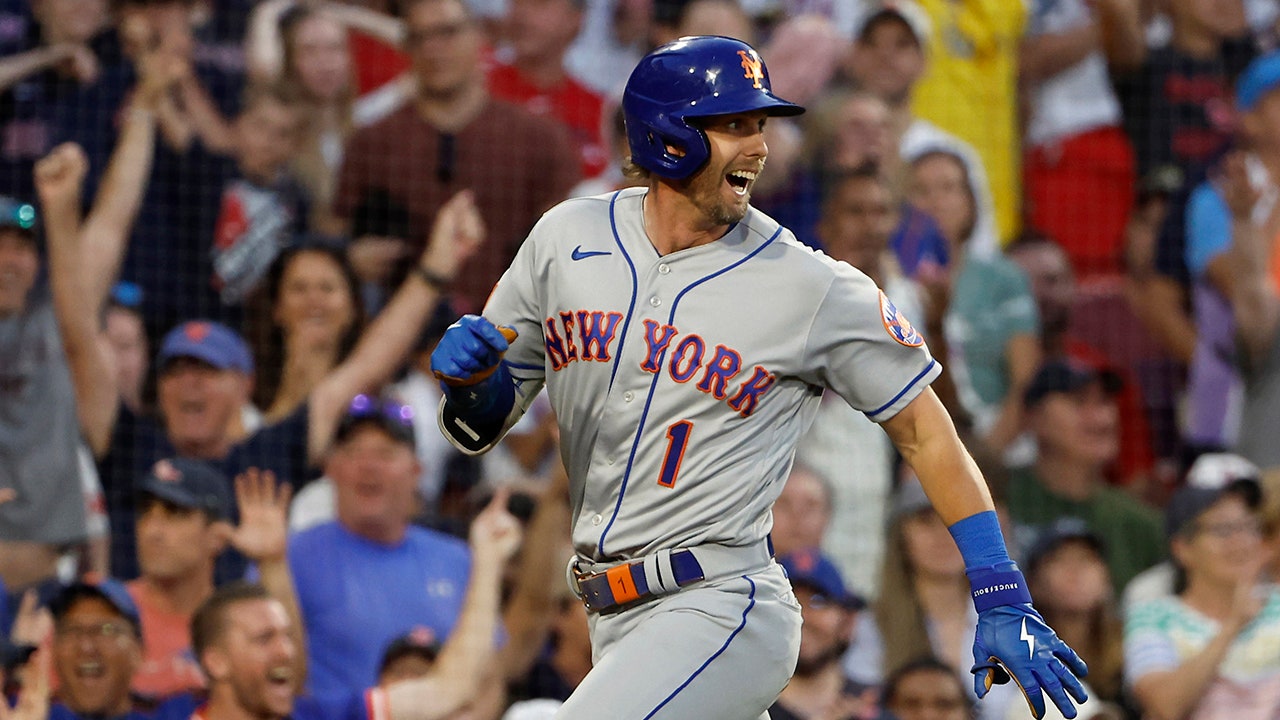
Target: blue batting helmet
x=692, y=77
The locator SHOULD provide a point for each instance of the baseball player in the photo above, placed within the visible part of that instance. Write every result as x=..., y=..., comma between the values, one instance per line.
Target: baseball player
x=684, y=340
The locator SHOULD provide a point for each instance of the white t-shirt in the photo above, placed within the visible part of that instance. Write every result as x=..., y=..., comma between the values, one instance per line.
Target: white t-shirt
x=1079, y=98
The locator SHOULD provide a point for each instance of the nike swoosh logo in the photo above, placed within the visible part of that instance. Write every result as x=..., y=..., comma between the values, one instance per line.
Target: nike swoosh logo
x=1029, y=639
x=580, y=254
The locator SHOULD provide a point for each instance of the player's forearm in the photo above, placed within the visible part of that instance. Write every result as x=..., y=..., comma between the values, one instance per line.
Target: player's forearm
x=927, y=439
x=106, y=230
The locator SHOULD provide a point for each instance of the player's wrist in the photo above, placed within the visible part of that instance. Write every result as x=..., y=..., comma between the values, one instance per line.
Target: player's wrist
x=995, y=585
x=487, y=401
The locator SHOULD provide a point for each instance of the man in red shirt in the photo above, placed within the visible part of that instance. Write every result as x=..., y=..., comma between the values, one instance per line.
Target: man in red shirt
x=454, y=136
x=531, y=73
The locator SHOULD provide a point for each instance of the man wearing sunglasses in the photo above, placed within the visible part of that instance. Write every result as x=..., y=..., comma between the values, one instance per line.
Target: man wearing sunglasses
x=382, y=575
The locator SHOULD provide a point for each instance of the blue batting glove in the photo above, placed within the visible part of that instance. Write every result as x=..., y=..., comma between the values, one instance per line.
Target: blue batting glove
x=470, y=351
x=1012, y=640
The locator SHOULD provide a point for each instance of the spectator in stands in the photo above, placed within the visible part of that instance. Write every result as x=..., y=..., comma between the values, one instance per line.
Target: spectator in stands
x=97, y=646
x=802, y=512
x=850, y=133
x=127, y=334
x=248, y=647
x=47, y=48
x=849, y=450
x=454, y=136
x=1212, y=650
x=818, y=688
x=42, y=452
x=1176, y=110
x=1245, y=212
x=184, y=523
x=1079, y=165
x=532, y=75
x=984, y=304
x=1053, y=284
x=970, y=89
x=1067, y=574
x=924, y=607
x=315, y=320
x=1072, y=413
x=309, y=48
x=380, y=232
x=420, y=574
x=926, y=689
x=198, y=398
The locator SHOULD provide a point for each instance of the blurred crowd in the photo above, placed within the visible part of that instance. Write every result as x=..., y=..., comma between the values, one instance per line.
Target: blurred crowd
x=231, y=233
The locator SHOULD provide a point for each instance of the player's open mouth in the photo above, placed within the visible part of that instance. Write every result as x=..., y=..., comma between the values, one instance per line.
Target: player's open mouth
x=741, y=181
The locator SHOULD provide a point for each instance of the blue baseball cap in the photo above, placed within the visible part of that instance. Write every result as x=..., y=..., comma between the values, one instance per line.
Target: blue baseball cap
x=209, y=342
x=816, y=571
x=108, y=590
x=189, y=483
x=1261, y=77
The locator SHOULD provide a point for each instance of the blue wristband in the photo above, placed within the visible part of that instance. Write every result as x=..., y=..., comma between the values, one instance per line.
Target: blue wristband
x=997, y=585
x=487, y=401
x=980, y=540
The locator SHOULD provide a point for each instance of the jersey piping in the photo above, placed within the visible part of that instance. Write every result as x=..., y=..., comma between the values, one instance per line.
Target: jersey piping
x=653, y=384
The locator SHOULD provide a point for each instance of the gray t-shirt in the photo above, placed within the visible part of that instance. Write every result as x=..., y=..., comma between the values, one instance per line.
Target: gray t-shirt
x=39, y=431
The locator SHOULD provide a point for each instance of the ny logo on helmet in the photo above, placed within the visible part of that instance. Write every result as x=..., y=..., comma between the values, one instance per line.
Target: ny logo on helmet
x=753, y=68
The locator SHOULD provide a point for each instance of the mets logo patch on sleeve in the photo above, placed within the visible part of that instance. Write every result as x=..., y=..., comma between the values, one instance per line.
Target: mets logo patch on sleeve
x=897, y=324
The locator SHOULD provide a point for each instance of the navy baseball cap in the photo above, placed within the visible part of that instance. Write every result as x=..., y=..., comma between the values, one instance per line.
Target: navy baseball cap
x=420, y=641
x=210, y=342
x=1259, y=78
x=816, y=571
x=192, y=484
x=393, y=418
x=17, y=215
x=1062, y=531
x=111, y=591
x=1211, y=476
x=1068, y=376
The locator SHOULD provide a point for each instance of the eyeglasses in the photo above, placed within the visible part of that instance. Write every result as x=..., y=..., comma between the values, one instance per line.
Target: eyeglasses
x=105, y=630
x=364, y=407
x=22, y=215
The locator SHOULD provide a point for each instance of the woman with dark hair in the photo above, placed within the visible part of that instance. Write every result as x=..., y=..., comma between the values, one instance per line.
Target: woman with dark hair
x=310, y=317
x=983, y=305
x=926, y=689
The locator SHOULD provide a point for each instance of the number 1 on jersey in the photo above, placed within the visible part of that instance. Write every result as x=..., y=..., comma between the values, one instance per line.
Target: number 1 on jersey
x=677, y=441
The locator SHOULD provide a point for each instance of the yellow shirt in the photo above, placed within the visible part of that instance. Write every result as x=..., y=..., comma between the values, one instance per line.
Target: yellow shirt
x=970, y=89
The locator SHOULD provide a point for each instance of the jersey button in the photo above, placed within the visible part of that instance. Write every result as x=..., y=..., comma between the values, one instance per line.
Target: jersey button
x=628, y=396
x=597, y=519
x=664, y=269
x=654, y=301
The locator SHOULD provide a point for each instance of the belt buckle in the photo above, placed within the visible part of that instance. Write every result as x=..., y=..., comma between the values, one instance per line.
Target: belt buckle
x=574, y=577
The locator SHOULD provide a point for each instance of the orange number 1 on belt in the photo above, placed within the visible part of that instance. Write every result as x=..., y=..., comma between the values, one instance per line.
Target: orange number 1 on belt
x=622, y=584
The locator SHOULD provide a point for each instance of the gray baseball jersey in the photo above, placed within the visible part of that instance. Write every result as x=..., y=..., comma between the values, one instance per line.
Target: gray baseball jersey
x=683, y=382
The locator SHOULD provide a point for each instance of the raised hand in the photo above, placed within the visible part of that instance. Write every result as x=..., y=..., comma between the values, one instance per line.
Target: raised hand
x=495, y=533
x=1240, y=194
x=59, y=177
x=262, y=535
x=456, y=233
x=33, y=625
x=33, y=698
